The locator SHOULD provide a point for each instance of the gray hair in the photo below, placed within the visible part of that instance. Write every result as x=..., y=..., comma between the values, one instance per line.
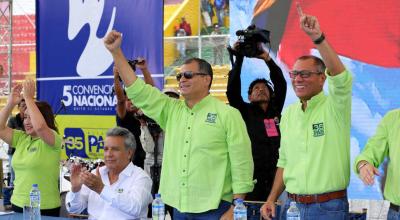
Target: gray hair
x=318, y=62
x=129, y=139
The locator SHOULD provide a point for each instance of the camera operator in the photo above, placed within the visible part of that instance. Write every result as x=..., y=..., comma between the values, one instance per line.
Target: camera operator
x=261, y=115
x=126, y=110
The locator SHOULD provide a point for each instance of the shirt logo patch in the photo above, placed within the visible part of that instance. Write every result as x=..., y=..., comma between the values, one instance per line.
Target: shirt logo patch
x=211, y=117
x=120, y=190
x=318, y=129
x=32, y=149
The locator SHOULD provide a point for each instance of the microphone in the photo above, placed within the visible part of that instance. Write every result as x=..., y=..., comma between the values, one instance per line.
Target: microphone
x=63, y=105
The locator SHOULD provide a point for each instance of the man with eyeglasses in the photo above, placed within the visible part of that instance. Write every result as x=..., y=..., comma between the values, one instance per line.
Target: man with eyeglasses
x=207, y=158
x=314, y=157
x=262, y=117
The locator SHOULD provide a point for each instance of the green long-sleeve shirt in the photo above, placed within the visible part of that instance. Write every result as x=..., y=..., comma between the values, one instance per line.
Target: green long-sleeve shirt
x=207, y=152
x=386, y=143
x=315, y=143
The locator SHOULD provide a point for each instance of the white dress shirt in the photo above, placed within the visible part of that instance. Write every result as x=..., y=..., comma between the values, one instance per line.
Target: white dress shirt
x=128, y=198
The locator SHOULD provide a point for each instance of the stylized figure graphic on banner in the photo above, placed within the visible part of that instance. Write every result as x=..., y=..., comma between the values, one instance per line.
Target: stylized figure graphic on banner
x=94, y=59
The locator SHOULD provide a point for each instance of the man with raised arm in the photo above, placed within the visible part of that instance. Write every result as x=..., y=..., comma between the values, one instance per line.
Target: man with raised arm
x=207, y=158
x=314, y=158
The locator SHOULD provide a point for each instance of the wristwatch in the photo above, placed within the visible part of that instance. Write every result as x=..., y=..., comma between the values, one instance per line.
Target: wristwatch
x=234, y=201
x=320, y=39
x=362, y=165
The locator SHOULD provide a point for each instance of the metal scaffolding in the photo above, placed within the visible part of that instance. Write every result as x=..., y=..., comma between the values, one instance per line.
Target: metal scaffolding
x=5, y=46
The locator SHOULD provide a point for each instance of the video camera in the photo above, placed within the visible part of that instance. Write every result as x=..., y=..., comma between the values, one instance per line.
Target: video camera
x=154, y=128
x=249, y=39
x=133, y=63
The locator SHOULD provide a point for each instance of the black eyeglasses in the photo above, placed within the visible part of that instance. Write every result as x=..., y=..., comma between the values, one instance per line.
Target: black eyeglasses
x=188, y=75
x=303, y=74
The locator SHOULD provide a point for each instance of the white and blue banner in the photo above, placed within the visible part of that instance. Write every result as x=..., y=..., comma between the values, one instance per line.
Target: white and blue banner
x=74, y=67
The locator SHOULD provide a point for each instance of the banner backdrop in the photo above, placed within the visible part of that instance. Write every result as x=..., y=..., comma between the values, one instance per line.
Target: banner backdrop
x=367, y=41
x=74, y=69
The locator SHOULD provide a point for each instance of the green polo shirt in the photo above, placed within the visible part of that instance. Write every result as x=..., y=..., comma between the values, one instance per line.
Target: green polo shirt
x=207, y=152
x=315, y=143
x=34, y=161
x=386, y=143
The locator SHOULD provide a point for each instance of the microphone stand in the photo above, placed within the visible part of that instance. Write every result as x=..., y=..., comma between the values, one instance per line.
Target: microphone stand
x=156, y=168
x=60, y=108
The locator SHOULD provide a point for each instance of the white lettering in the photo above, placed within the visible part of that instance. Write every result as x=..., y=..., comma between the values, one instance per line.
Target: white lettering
x=89, y=96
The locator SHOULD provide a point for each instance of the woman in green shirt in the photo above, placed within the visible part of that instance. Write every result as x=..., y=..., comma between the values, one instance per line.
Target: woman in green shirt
x=37, y=150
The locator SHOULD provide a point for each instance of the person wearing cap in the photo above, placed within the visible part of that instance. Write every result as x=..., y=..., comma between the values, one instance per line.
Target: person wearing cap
x=127, y=111
x=207, y=158
x=384, y=144
x=314, y=156
x=262, y=117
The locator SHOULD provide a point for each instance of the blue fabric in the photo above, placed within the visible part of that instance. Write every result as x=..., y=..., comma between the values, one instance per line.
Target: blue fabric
x=7, y=192
x=209, y=215
x=331, y=210
x=219, y=4
x=393, y=215
x=358, y=216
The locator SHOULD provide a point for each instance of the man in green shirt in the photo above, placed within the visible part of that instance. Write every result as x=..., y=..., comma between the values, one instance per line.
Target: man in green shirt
x=385, y=143
x=314, y=158
x=207, y=158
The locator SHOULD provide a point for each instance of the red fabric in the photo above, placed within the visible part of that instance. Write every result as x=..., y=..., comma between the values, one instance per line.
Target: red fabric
x=367, y=31
x=186, y=26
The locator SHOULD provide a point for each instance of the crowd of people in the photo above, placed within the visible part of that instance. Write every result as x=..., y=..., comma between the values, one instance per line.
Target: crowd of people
x=217, y=8
x=201, y=154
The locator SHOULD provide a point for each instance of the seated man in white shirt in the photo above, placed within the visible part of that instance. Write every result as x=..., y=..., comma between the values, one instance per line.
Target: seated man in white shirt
x=118, y=190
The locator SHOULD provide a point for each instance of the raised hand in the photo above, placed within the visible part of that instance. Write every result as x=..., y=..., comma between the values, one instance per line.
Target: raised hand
x=29, y=89
x=113, y=41
x=309, y=24
x=76, y=183
x=264, y=55
x=15, y=96
x=92, y=181
x=142, y=64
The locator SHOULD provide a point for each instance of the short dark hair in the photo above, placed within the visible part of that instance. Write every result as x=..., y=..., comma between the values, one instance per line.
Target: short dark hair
x=47, y=113
x=129, y=138
x=204, y=66
x=319, y=63
x=267, y=83
x=21, y=101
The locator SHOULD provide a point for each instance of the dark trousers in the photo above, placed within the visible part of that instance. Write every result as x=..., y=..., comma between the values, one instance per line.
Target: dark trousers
x=214, y=214
x=331, y=210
